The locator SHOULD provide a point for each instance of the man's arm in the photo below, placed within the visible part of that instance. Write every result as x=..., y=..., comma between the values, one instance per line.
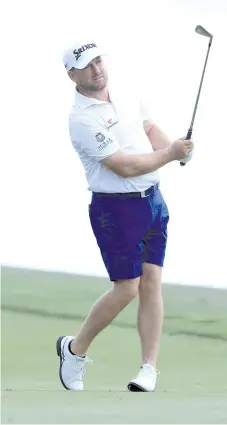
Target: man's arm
x=157, y=137
x=96, y=142
x=139, y=164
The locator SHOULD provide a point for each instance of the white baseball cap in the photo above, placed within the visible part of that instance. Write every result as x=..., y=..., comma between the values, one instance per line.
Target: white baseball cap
x=80, y=55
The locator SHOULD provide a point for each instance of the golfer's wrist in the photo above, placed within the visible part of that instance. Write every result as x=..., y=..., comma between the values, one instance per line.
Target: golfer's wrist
x=170, y=154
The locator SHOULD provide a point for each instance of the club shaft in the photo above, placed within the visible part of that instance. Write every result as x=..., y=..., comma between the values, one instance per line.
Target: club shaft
x=190, y=130
x=200, y=87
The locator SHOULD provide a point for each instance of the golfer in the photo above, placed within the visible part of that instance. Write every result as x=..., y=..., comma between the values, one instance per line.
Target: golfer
x=121, y=150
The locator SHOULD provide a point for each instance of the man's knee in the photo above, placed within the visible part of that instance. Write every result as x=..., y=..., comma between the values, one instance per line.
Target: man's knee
x=150, y=281
x=128, y=288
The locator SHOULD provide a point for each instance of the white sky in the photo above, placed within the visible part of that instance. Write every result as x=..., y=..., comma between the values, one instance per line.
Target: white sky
x=44, y=198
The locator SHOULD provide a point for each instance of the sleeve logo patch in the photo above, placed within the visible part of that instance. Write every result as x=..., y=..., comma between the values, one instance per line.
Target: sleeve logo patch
x=104, y=144
x=100, y=137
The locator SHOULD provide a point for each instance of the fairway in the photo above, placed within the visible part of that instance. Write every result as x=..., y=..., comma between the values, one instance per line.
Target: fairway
x=38, y=306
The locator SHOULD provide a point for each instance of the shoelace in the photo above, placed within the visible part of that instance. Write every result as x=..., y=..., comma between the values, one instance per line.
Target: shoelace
x=80, y=366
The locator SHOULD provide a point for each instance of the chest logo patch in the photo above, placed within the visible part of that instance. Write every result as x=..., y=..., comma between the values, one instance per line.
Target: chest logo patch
x=110, y=123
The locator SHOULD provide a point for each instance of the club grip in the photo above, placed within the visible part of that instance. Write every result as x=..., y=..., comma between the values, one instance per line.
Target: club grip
x=188, y=137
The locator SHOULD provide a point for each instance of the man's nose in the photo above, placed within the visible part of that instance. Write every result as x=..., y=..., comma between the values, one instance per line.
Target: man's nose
x=95, y=69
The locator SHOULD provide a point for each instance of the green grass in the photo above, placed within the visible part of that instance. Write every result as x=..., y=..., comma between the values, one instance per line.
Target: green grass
x=37, y=307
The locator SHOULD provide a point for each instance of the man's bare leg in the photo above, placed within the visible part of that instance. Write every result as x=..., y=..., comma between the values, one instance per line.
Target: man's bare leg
x=103, y=312
x=150, y=312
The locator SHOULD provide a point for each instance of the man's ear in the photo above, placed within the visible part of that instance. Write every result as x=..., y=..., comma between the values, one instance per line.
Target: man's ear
x=71, y=75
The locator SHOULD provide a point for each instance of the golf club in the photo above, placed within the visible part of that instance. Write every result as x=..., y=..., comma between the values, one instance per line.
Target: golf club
x=200, y=30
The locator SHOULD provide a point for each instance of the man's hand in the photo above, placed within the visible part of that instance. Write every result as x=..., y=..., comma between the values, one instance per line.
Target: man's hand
x=180, y=149
x=187, y=158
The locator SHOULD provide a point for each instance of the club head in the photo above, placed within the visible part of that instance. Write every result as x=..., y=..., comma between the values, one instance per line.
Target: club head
x=200, y=30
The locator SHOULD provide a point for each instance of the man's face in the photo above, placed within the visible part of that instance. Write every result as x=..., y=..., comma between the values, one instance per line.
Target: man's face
x=92, y=78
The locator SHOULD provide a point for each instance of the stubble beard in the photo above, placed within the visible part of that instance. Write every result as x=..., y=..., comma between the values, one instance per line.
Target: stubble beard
x=92, y=87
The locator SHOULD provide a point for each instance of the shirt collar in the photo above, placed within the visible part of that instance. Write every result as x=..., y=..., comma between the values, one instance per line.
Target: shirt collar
x=84, y=101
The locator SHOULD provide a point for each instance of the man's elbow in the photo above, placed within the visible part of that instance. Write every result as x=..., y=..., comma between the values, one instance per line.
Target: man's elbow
x=120, y=165
x=123, y=171
x=148, y=127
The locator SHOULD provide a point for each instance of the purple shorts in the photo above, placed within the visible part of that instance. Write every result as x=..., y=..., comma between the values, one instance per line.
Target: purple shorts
x=129, y=231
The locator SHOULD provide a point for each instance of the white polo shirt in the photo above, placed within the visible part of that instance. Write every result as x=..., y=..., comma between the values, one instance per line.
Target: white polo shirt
x=99, y=129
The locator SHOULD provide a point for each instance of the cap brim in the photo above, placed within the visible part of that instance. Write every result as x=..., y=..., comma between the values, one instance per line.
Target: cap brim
x=90, y=55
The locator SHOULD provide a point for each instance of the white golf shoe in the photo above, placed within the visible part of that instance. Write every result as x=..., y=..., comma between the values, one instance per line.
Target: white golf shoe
x=145, y=380
x=72, y=367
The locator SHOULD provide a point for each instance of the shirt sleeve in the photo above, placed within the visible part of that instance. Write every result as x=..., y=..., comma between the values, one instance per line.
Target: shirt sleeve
x=92, y=138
